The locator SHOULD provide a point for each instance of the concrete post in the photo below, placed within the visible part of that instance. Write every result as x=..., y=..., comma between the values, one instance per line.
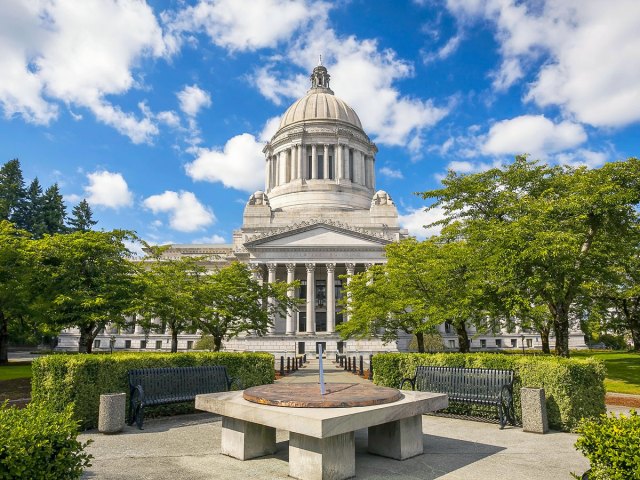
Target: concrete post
x=534, y=410
x=111, y=412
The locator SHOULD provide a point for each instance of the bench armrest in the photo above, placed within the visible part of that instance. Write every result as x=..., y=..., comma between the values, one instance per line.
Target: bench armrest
x=412, y=382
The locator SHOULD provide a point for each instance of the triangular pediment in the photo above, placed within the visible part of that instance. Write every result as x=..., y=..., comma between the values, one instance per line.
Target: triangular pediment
x=319, y=235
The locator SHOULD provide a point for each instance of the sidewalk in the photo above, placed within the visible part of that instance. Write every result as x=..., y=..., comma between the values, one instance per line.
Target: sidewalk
x=188, y=447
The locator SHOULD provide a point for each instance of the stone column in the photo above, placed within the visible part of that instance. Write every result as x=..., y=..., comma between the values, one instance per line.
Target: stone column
x=325, y=163
x=347, y=163
x=294, y=162
x=267, y=175
x=373, y=172
x=367, y=170
x=291, y=327
x=138, y=328
x=338, y=149
x=311, y=298
x=331, y=299
x=351, y=268
x=302, y=158
x=314, y=162
x=271, y=267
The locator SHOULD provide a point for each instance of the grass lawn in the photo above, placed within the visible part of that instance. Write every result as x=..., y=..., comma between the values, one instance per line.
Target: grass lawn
x=623, y=370
x=15, y=370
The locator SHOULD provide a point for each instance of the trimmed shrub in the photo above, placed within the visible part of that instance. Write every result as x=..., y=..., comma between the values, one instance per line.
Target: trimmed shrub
x=39, y=443
x=80, y=379
x=574, y=388
x=612, y=445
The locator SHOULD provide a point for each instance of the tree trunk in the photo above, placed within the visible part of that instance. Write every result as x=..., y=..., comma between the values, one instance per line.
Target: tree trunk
x=174, y=341
x=420, y=340
x=463, y=338
x=4, y=339
x=217, y=343
x=560, y=314
x=87, y=336
x=544, y=338
x=633, y=323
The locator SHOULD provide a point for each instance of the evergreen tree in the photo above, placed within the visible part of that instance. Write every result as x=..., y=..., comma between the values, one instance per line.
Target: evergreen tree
x=12, y=193
x=54, y=211
x=34, y=214
x=82, y=217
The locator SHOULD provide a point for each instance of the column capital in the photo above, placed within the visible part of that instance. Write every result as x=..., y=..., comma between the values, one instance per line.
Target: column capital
x=310, y=267
x=291, y=267
x=272, y=267
x=351, y=267
x=331, y=267
x=368, y=265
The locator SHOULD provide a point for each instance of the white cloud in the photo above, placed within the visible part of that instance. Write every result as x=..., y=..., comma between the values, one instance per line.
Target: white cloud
x=582, y=157
x=247, y=25
x=532, y=134
x=590, y=65
x=415, y=220
x=270, y=128
x=169, y=118
x=76, y=53
x=445, y=51
x=107, y=189
x=192, y=98
x=390, y=172
x=363, y=74
x=216, y=239
x=240, y=164
x=186, y=213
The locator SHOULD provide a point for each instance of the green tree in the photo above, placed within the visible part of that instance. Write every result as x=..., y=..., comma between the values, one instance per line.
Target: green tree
x=170, y=290
x=12, y=193
x=16, y=269
x=34, y=214
x=86, y=280
x=423, y=284
x=548, y=230
x=233, y=302
x=53, y=211
x=81, y=217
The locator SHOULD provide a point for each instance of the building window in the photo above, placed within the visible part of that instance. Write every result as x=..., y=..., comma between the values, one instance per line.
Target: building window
x=127, y=344
x=143, y=344
x=302, y=321
x=302, y=291
x=452, y=344
x=158, y=344
x=529, y=343
x=339, y=318
x=189, y=344
x=321, y=321
x=321, y=293
x=331, y=168
x=498, y=343
x=483, y=343
x=309, y=167
x=338, y=290
x=96, y=344
x=447, y=327
x=514, y=342
x=320, y=166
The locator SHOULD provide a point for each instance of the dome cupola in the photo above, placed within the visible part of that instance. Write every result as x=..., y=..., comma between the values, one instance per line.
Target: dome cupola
x=320, y=153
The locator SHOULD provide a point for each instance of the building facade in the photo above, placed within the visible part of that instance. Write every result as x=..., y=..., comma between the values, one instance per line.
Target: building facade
x=319, y=220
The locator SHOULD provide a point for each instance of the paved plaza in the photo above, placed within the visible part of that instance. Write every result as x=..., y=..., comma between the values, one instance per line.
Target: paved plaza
x=188, y=447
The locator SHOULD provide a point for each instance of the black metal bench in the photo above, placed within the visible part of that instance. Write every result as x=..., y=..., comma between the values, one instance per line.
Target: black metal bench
x=480, y=386
x=162, y=386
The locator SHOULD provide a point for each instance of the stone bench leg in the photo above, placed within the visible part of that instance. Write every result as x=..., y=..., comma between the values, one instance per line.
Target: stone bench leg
x=401, y=439
x=245, y=440
x=331, y=458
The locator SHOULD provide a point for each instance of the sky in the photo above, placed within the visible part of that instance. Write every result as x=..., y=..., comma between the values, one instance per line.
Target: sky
x=156, y=112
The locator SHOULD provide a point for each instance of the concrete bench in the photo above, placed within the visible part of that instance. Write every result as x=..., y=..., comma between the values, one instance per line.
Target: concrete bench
x=321, y=440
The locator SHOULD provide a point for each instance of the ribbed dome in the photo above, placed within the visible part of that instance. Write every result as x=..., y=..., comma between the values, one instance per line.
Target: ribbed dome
x=320, y=104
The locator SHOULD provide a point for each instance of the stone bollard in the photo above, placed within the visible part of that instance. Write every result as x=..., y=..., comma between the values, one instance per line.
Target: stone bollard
x=288, y=364
x=370, y=367
x=111, y=412
x=361, y=372
x=282, y=366
x=353, y=364
x=534, y=410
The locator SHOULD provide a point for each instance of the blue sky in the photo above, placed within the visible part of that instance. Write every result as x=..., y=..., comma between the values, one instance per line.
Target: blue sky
x=157, y=111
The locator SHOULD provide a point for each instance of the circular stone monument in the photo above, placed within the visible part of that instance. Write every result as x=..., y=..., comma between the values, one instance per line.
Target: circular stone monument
x=307, y=395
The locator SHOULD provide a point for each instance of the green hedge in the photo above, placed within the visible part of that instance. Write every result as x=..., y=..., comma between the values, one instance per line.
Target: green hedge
x=39, y=443
x=574, y=388
x=612, y=445
x=80, y=379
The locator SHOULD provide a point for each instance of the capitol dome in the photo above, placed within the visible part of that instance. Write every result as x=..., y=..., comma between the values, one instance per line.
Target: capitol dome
x=320, y=155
